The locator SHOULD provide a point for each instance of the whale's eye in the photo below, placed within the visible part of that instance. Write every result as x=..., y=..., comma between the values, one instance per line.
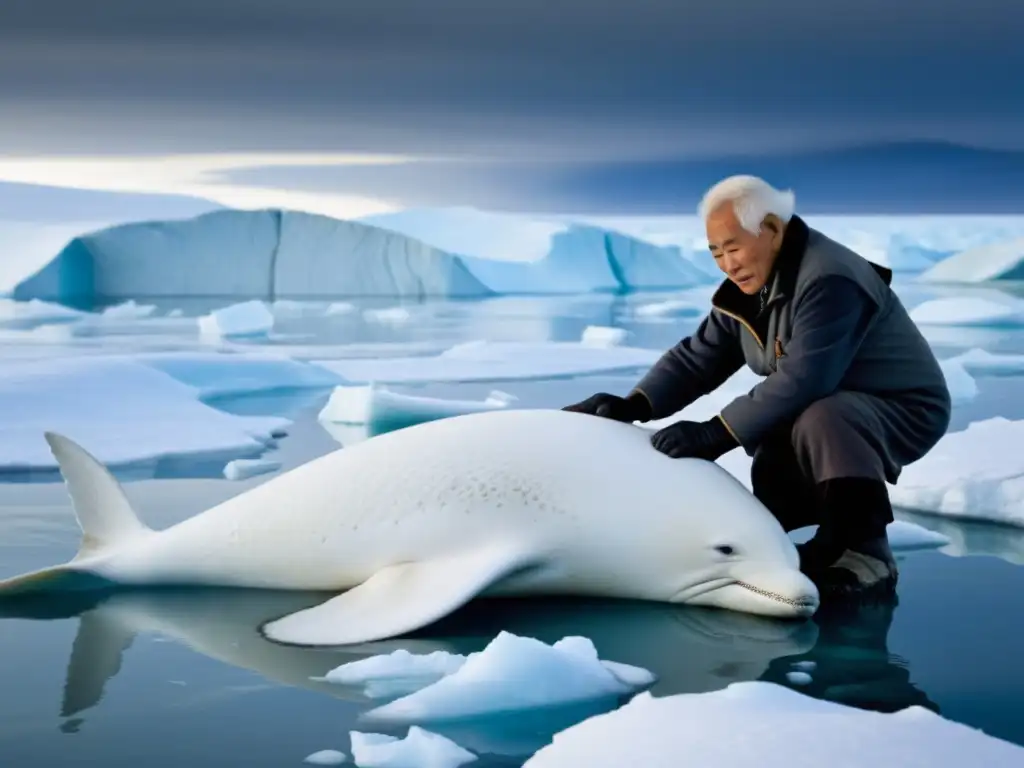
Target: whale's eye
x=725, y=549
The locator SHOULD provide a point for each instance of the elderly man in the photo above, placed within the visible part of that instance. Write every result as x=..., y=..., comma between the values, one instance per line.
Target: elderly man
x=852, y=391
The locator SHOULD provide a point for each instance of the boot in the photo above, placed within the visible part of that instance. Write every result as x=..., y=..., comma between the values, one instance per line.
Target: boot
x=850, y=555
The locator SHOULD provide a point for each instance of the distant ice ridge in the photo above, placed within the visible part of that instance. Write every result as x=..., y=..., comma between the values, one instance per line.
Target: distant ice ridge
x=272, y=253
x=769, y=726
x=995, y=261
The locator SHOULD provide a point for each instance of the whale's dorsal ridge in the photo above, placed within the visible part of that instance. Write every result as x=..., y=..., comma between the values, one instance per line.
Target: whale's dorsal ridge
x=403, y=597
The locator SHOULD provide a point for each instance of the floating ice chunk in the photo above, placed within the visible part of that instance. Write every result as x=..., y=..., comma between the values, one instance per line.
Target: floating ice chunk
x=764, y=724
x=397, y=673
x=499, y=361
x=980, y=362
x=385, y=411
x=419, y=749
x=224, y=374
x=975, y=473
x=398, y=664
x=325, y=757
x=798, y=678
x=122, y=411
x=249, y=318
x=515, y=673
x=805, y=666
x=968, y=311
x=128, y=310
x=601, y=336
x=962, y=386
x=340, y=308
x=241, y=469
x=994, y=261
x=388, y=315
x=670, y=308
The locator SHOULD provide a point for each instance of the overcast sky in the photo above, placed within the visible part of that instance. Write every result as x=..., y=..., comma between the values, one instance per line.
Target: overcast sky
x=564, y=84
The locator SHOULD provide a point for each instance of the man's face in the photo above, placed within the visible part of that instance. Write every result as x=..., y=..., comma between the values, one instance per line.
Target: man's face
x=745, y=258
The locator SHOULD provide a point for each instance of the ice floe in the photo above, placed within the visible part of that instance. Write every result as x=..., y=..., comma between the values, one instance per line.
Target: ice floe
x=766, y=725
x=975, y=473
x=491, y=681
x=969, y=311
x=125, y=412
x=481, y=361
x=419, y=749
x=991, y=261
x=382, y=410
x=979, y=362
x=247, y=319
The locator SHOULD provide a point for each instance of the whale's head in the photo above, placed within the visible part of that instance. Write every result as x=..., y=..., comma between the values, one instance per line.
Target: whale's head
x=721, y=547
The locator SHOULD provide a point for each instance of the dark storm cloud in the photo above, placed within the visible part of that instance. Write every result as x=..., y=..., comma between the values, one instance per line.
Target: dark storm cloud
x=561, y=104
x=631, y=78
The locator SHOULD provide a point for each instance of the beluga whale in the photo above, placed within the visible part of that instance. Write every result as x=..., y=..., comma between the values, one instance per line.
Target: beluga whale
x=407, y=527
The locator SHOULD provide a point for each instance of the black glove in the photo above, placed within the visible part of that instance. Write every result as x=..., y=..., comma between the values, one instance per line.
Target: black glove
x=627, y=409
x=694, y=439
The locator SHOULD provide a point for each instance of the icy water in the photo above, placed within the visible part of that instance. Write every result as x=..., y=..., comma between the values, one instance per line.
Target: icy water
x=184, y=678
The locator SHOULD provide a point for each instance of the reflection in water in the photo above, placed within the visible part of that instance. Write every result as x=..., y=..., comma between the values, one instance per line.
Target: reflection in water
x=690, y=650
x=973, y=537
x=851, y=661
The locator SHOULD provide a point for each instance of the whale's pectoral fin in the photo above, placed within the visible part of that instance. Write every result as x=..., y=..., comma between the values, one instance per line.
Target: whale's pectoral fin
x=401, y=598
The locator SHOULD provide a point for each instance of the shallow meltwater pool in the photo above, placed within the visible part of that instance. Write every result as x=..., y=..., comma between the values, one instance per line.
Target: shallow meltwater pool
x=184, y=677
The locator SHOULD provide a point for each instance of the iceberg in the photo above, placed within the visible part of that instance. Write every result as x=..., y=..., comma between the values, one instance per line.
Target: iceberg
x=274, y=253
x=980, y=362
x=770, y=726
x=984, y=263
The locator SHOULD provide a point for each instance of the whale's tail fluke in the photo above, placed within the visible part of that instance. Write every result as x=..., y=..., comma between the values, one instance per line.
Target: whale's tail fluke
x=104, y=514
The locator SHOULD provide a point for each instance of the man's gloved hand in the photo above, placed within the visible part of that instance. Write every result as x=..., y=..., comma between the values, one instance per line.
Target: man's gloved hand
x=626, y=409
x=694, y=439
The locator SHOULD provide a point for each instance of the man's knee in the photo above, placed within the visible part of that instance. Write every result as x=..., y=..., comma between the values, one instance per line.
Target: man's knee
x=832, y=438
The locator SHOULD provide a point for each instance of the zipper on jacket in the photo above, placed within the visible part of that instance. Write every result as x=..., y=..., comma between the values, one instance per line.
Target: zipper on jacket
x=742, y=322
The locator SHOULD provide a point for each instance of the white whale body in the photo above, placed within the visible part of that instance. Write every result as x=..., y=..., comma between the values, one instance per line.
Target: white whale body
x=409, y=526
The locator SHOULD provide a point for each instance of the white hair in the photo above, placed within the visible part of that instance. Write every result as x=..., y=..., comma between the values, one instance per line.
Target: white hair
x=752, y=199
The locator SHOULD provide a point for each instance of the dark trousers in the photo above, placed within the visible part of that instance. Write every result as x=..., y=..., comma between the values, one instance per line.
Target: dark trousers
x=830, y=466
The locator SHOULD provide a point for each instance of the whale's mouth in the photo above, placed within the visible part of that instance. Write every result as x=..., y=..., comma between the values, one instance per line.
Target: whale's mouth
x=803, y=602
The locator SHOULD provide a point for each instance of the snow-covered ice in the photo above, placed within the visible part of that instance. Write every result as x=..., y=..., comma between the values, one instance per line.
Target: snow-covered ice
x=764, y=725
x=419, y=749
x=245, y=319
x=962, y=386
x=481, y=361
x=121, y=410
x=975, y=473
x=242, y=469
x=511, y=674
x=969, y=311
x=388, y=315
